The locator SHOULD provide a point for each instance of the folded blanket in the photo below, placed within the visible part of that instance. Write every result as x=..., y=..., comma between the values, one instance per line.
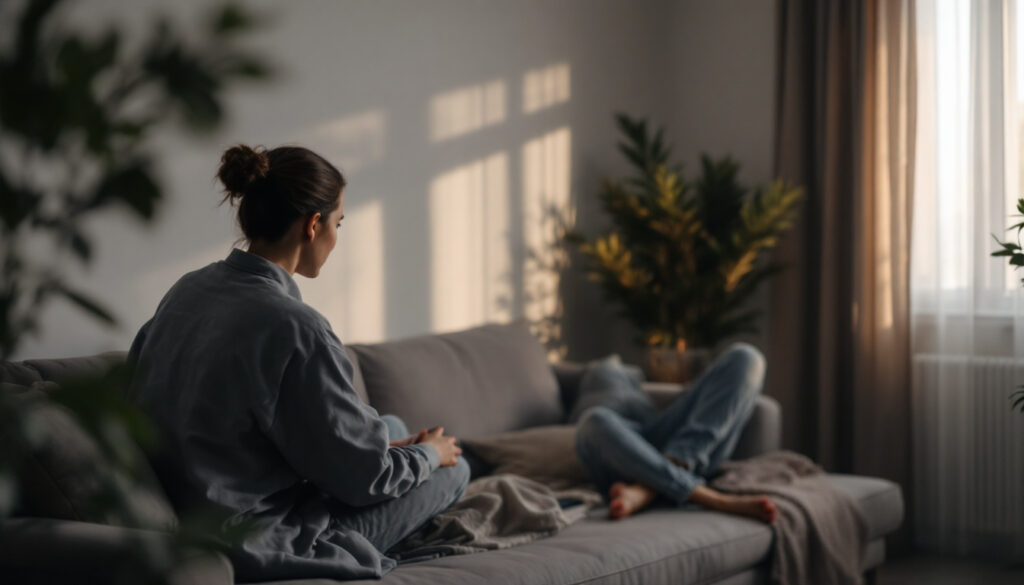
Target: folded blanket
x=498, y=511
x=820, y=534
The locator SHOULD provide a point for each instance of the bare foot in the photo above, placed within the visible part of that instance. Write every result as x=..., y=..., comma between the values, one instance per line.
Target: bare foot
x=756, y=507
x=628, y=498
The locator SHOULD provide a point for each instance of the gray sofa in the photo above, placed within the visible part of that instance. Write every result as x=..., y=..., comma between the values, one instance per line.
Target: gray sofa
x=485, y=380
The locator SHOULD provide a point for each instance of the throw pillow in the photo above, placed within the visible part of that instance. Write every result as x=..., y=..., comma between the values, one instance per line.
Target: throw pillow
x=610, y=383
x=66, y=475
x=544, y=454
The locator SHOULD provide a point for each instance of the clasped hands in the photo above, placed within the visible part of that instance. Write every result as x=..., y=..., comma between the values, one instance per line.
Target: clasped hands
x=446, y=448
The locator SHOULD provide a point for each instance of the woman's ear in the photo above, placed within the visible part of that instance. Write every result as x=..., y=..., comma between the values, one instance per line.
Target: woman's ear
x=309, y=227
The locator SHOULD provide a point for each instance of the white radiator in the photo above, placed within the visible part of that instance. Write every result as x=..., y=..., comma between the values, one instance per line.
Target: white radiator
x=968, y=455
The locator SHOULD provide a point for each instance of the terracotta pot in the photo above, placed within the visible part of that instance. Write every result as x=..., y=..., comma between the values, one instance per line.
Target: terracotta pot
x=676, y=365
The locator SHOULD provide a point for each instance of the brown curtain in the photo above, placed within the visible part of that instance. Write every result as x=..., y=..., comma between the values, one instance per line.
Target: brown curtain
x=839, y=325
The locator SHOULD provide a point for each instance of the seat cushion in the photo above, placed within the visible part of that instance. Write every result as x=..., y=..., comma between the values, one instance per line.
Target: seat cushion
x=670, y=546
x=658, y=546
x=880, y=500
x=478, y=382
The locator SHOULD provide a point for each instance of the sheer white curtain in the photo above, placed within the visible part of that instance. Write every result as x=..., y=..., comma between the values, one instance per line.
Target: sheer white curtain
x=967, y=308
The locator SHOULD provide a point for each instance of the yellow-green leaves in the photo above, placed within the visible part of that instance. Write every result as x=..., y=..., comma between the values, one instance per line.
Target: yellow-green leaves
x=683, y=256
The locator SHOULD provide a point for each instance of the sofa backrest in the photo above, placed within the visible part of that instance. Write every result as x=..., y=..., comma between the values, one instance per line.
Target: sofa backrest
x=477, y=382
x=485, y=380
x=59, y=370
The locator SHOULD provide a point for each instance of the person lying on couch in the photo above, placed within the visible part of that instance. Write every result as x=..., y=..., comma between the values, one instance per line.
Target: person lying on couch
x=254, y=393
x=633, y=459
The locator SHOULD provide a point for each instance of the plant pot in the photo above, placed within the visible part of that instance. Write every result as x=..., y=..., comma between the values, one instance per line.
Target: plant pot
x=674, y=365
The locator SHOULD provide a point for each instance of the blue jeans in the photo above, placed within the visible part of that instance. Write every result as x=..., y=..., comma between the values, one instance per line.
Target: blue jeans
x=699, y=429
x=386, y=524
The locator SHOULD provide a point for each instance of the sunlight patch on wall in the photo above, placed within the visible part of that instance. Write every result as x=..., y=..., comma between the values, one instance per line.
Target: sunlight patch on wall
x=351, y=142
x=467, y=109
x=546, y=87
x=470, y=251
x=546, y=206
x=350, y=288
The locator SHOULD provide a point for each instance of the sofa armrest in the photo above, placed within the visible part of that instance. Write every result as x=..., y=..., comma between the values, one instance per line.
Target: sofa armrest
x=45, y=550
x=568, y=375
x=762, y=434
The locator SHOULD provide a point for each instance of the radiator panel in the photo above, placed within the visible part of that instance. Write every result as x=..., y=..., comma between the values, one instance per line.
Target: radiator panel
x=968, y=456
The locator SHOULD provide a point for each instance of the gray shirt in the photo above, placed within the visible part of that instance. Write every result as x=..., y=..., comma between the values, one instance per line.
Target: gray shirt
x=253, y=392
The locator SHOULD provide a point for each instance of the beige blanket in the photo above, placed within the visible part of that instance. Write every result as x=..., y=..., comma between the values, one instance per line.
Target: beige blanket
x=820, y=534
x=498, y=511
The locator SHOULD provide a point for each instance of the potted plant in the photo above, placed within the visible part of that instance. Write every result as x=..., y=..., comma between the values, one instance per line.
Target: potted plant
x=77, y=114
x=682, y=257
x=1013, y=252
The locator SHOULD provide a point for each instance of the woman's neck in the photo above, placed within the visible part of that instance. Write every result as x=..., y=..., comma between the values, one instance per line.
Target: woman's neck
x=286, y=257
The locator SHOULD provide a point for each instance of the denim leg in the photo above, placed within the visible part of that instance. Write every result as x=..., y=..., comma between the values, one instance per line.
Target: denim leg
x=386, y=524
x=610, y=449
x=702, y=427
x=396, y=427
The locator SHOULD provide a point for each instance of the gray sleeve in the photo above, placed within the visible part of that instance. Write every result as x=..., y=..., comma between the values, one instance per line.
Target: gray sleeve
x=330, y=437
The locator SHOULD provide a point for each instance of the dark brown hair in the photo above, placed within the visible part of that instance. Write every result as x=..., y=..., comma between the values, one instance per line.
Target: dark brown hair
x=275, y=187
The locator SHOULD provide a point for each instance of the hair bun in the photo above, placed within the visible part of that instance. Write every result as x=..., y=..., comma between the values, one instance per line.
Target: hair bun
x=240, y=167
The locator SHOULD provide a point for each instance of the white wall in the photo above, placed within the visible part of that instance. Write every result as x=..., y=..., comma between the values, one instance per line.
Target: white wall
x=454, y=122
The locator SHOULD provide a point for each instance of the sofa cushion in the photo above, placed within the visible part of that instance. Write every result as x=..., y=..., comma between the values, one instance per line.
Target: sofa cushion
x=478, y=382
x=658, y=546
x=880, y=500
x=661, y=545
x=546, y=454
x=66, y=475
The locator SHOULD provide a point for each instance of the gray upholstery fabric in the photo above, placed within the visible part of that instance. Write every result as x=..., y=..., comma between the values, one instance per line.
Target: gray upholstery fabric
x=41, y=550
x=62, y=370
x=568, y=375
x=874, y=554
x=662, y=546
x=546, y=454
x=18, y=373
x=482, y=381
x=763, y=432
x=676, y=547
x=66, y=474
x=880, y=500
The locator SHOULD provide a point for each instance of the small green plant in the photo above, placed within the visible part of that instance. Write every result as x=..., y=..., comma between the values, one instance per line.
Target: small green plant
x=1012, y=251
x=683, y=257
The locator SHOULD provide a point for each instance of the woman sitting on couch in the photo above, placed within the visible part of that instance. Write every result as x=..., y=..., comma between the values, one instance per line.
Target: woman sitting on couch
x=670, y=453
x=254, y=393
